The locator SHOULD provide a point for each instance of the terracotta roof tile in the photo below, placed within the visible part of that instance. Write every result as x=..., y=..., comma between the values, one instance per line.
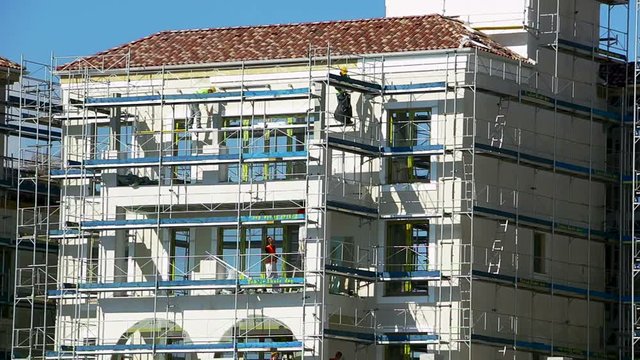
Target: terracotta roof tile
x=292, y=41
x=6, y=63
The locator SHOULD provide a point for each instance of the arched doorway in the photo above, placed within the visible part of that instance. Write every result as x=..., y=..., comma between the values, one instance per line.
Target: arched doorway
x=158, y=331
x=259, y=329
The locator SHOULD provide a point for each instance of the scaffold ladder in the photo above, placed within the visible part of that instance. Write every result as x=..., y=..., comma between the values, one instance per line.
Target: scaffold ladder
x=497, y=132
x=497, y=247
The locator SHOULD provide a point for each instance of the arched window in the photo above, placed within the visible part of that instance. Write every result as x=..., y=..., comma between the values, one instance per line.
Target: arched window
x=155, y=331
x=259, y=329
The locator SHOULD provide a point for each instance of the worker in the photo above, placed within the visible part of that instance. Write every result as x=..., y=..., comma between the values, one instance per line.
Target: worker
x=194, y=107
x=344, y=111
x=271, y=261
x=338, y=356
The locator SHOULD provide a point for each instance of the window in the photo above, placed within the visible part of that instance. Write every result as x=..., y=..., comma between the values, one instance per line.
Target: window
x=251, y=245
x=342, y=253
x=6, y=264
x=103, y=140
x=276, y=135
x=180, y=254
x=407, y=352
x=406, y=250
x=539, y=253
x=409, y=128
x=125, y=140
x=92, y=262
x=182, y=143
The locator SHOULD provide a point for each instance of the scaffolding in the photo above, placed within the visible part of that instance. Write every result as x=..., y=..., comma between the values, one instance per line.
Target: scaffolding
x=34, y=103
x=142, y=185
x=634, y=104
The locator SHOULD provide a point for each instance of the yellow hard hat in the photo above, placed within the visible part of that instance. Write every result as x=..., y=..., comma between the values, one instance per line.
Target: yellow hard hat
x=343, y=70
x=212, y=89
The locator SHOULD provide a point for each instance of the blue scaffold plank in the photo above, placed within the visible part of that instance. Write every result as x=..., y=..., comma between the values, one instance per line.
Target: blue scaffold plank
x=276, y=94
x=351, y=272
x=371, y=150
x=407, y=338
x=417, y=87
x=133, y=285
x=591, y=49
x=383, y=339
x=193, y=347
x=275, y=156
x=348, y=83
x=353, y=146
x=353, y=336
x=410, y=275
x=283, y=218
x=421, y=150
x=281, y=281
x=173, y=222
x=198, y=98
x=352, y=208
x=193, y=284
x=33, y=104
x=114, y=348
x=566, y=105
x=167, y=160
x=64, y=233
x=384, y=276
x=71, y=173
x=560, y=227
x=547, y=286
x=550, y=163
x=195, y=159
x=31, y=132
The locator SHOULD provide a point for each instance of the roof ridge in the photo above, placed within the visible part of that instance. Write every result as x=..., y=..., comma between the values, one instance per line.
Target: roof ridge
x=322, y=22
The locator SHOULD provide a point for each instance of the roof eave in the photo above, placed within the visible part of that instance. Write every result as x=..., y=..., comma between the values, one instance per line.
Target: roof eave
x=186, y=67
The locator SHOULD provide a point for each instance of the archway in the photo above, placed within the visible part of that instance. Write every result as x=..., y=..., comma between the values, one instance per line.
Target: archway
x=259, y=329
x=158, y=331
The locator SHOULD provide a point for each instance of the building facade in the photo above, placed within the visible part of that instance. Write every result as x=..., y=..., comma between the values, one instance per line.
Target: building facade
x=432, y=192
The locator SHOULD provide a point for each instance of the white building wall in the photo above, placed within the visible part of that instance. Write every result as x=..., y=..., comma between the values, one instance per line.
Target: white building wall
x=499, y=184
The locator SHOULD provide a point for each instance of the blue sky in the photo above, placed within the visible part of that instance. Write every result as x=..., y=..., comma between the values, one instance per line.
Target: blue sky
x=82, y=27
x=36, y=28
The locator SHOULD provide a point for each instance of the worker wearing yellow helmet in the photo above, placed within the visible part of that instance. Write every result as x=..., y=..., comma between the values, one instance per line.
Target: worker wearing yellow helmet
x=343, y=70
x=344, y=111
x=196, y=115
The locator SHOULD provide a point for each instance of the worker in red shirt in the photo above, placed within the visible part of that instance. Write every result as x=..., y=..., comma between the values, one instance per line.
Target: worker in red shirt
x=271, y=261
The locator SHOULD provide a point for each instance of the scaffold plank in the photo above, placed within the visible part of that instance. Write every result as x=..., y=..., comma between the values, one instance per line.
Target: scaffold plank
x=548, y=224
x=195, y=159
x=348, y=83
x=181, y=348
x=417, y=87
x=30, y=132
x=561, y=166
x=383, y=276
x=192, y=222
x=298, y=93
x=544, y=286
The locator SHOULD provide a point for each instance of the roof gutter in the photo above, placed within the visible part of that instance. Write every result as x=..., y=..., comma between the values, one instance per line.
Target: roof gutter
x=270, y=62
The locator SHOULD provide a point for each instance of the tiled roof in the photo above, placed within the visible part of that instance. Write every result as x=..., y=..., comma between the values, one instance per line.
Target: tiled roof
x=292, y=41
x=6, y=63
